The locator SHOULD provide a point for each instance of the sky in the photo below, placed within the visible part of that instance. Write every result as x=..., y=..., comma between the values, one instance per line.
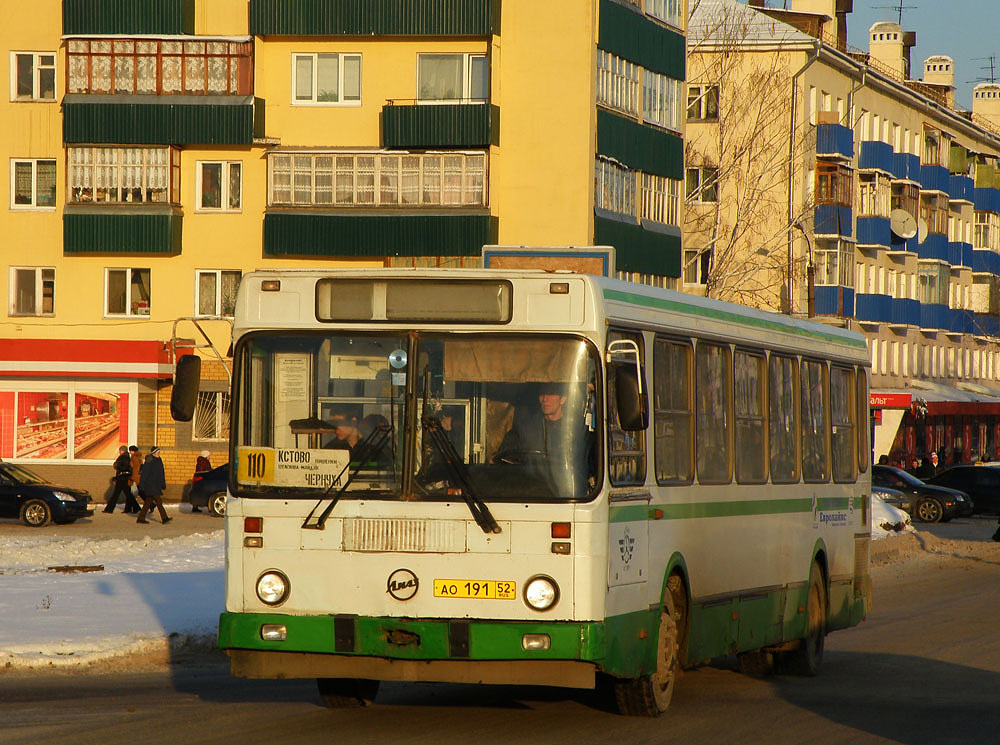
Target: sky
x=149, y=590
x=960, y=29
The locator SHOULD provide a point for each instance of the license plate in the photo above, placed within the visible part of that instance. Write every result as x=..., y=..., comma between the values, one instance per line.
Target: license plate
x=481, y=589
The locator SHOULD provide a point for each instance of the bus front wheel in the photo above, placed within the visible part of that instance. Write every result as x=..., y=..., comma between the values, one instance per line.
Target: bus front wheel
x=649, y=695
x=341, y=693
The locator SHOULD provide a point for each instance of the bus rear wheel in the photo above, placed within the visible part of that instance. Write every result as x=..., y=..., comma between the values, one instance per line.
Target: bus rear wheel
x=807, y=658
x=342, y=693
x=649, y=695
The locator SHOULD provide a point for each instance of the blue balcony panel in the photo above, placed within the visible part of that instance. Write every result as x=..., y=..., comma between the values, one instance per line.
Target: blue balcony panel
x=832, y=219
x=906, y=166
x=960, y=321
x=834, y=300
x=960, y=254
x=934, y=316
x=935, y=246
x=874, y=231
x=987, y=200
x=873, y=308
x=935, y=177
x=874, y=155
x=986, y=261
x=962, y=187
x=984, y=324
x=904, y=311
x=834, y=139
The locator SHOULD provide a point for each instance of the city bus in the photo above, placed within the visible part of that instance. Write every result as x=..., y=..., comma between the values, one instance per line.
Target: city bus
x=543, y=478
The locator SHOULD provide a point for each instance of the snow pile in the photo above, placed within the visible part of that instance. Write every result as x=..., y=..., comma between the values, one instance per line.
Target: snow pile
x=60, y=607
x=888, y=520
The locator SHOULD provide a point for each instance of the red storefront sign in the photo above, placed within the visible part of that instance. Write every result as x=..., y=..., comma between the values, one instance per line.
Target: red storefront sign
x=889, y=400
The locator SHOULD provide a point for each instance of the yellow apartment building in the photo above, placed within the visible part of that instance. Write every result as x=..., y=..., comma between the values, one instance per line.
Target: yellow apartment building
x=160, y=149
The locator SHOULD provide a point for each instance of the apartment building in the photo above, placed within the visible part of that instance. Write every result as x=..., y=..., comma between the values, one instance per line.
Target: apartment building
x=827, y=181
x=160, y=149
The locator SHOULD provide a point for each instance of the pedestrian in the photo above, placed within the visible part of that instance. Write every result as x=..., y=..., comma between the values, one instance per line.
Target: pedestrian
x=135, y=460
x=201, y=467
x=123, y=470
x=152, y=482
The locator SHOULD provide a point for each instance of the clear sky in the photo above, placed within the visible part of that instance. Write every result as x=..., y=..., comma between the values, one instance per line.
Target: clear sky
x=961, y=29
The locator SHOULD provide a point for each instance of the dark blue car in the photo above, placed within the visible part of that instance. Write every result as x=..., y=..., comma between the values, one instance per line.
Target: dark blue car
x=209, y=489
x=24, y=495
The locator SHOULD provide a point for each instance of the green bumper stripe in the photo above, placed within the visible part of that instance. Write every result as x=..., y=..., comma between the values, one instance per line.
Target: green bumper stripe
x=740, y=508
x=414, y=640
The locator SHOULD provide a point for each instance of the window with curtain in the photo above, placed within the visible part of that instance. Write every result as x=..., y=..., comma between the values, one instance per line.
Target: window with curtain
x=326, y=78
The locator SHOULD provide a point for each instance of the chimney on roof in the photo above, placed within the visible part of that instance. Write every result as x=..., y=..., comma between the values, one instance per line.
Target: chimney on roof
x=890, y=46
x=835, y=10
x=986, y=102
x=939, y=71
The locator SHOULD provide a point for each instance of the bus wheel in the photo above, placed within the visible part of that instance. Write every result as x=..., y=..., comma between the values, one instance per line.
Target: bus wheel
x=341, y=693
x=807, y=658
x=756, y=663
x=649, y=695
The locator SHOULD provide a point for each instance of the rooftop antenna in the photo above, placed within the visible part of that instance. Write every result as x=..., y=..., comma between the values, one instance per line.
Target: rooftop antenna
x=898, y=7
x=991, y=66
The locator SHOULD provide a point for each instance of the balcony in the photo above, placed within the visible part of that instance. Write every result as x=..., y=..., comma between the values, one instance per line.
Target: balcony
x=875, y=156
x=478, y=18
x=985, y=261
x=638, y=247
x=127, y=17
x=834, y=140
x=145, y=230
x=960, y=321
x=985, y=324
x=935, y=178
x=935, y=246
x=934, y=317
x=961, y=188
x=986, y=199
x=299, y=232
x=832, y=219
x=904, y=312
x=161, y=120
x=640, y=146
x=873, y=308
x=906, y=166
x=874, y=231
x=834, y=300
x=634, y=36
x=960, y=254
x=440, y=125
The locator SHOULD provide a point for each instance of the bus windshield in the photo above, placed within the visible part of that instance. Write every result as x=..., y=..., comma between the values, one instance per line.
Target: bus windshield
x=420, y=415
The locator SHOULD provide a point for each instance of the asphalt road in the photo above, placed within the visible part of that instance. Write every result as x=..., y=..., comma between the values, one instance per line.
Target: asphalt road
x=923, y=669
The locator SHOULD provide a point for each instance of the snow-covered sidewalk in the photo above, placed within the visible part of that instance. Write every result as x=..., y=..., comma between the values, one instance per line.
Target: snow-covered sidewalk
x=57, y=608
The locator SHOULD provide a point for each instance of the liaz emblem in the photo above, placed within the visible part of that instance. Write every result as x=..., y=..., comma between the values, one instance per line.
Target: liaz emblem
x=625, y=545
x=402, y=584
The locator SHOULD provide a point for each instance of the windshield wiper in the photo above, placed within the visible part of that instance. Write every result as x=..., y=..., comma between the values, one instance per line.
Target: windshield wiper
x=368, y=449
x=481, y=513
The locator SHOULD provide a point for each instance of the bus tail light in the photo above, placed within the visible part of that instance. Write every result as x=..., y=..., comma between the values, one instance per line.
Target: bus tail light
x=560, y=530
x=253, y=525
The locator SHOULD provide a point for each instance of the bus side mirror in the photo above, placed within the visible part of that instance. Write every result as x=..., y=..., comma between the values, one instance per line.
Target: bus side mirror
x=184, y=396
x=630, y=398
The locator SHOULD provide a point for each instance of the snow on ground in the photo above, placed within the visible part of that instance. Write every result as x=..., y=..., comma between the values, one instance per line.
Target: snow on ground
x=149, y=591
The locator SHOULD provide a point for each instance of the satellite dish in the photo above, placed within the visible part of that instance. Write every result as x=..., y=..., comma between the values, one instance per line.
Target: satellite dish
x=903, y=224
x=922, y=231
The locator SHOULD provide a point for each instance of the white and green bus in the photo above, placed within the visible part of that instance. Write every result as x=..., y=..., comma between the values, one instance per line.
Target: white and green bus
x=536, y=478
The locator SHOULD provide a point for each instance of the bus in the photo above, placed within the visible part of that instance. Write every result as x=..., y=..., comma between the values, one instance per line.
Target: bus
x=542, y=478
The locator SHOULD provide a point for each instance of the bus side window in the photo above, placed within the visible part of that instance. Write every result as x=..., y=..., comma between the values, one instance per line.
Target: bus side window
x=749, y=380
x=713, y=412
x=815, y=422
x=864, y=427
x=842, y=413
x=626, y=450
x=783, y=422
x=673, y=416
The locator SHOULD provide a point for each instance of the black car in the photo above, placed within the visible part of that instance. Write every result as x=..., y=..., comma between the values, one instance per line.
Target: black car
x=982, y=483
x=209, y=489
x=24, y=495
x=929, y=504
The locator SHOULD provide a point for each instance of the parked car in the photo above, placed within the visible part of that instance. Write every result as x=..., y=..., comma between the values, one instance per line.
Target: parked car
x=210, y=489
x=982, y=483
x=24, y=495
x=929, y=504
x=893, y=497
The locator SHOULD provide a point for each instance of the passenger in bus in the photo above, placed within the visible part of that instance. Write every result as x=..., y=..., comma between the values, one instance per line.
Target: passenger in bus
x=540, y=431
x=345, y=431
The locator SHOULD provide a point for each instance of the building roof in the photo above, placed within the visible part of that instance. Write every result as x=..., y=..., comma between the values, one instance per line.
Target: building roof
x=719, y=20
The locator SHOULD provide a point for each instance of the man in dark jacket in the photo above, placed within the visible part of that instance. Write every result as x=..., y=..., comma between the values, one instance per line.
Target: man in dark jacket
x=152, y=482
x=123, y=470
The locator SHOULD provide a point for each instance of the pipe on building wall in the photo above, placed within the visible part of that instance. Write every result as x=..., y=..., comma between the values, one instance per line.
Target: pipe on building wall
x=817, y=46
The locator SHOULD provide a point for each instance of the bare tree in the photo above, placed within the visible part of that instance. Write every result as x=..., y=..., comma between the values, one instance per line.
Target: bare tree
x=740, y=153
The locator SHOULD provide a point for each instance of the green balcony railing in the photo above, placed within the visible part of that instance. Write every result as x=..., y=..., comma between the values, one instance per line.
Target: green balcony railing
x=128, y=17
x=374, y=17
x=122, y=230
x=440, y=125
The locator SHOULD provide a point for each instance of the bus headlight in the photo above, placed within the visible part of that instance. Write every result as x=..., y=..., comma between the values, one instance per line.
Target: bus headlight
x=272, y=587
x=541, y=593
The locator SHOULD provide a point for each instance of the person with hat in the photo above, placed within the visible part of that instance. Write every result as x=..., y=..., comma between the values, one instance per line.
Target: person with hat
x=135, y=460
x=201, y=466
x=345, y=430
x=152, y=483
x=123, y=470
